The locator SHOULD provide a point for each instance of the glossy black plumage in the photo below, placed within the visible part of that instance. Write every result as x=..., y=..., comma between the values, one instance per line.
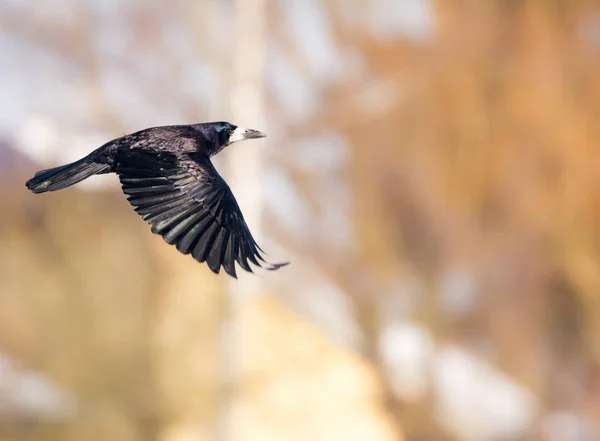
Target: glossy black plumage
x=170, y=181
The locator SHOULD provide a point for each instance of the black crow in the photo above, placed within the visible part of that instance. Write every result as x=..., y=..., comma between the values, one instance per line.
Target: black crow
x=169, y=179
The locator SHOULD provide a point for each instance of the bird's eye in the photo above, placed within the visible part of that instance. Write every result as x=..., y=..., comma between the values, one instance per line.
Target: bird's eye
x=224, y=132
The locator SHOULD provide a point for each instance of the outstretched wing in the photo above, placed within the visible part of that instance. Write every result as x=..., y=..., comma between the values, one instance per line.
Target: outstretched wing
x=188, y=203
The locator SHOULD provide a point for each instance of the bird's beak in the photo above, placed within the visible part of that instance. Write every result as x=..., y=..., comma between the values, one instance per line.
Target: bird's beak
x=252, y=134
x=241, y=134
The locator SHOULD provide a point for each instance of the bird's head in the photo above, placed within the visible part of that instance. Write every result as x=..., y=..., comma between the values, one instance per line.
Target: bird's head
x=221, y=134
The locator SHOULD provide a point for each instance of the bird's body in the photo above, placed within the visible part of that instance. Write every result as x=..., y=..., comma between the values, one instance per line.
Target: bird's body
x=170, y=181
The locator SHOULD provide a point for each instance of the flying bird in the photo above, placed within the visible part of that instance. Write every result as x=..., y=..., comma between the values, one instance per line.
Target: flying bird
x=170, y=181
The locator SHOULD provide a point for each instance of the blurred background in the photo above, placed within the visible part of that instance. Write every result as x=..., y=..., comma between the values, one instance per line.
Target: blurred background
x=431, y=171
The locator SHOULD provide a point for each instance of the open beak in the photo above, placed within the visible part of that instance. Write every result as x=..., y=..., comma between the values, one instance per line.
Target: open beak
x=241, y=134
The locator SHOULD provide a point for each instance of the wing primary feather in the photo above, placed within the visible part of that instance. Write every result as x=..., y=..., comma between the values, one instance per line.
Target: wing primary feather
x=243, y=261
x=180, y=175
x=268, y=265
x=181, y=228
x=157, y=199
x=217, y=252
x=189, y=241
x=146, y=191
x=163, y=207
x=144, y=182
x=240, y=256
x=249, y=252
x=163, y=225
x=166, y=214
x=276, y=266
x=229, y=256
x=205, y=242
x=136, y=172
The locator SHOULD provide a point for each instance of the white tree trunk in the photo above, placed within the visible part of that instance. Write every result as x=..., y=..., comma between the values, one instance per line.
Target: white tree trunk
x=244, y=170
x=247, y=110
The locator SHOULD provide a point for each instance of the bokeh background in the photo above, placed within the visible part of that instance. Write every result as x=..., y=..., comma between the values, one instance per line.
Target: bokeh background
x=432, y=171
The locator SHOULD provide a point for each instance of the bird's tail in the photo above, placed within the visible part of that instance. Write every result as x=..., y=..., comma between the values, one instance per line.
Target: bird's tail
x=64, y=176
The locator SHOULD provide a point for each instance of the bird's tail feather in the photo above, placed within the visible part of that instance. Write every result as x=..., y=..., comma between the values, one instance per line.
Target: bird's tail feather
x=64, y=176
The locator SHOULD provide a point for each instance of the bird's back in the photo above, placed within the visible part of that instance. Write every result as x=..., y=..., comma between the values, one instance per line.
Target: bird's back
x=175, y=139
